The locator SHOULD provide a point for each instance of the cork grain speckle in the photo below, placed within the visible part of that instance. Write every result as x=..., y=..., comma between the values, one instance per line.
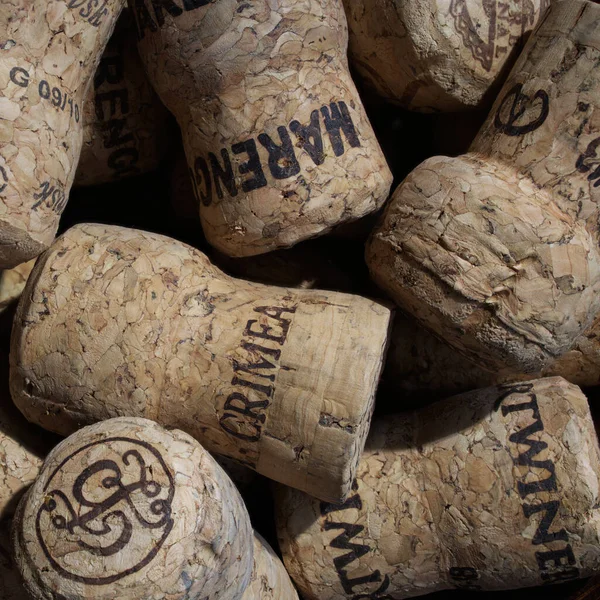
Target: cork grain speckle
x=497, y=251
x=123, y=322
x=491, y=490
x=125, y=507
x=49, y=53
x=438, y=55
x=277, y=141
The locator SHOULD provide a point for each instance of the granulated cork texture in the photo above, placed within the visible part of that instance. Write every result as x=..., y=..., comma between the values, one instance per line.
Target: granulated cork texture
x=433, y=55
x=125, y=509
x=497, y=250
x=270, y=580
x=490, y=490
x=122, y=322
x=125, y=126
x=276, y=138
x=48, y=53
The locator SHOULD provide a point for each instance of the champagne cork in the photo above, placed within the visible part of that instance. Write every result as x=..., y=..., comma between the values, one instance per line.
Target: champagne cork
x=117, y=322
x=130, y=510
x=125, y=126
x=418, y=361
x=49, y=52
x=497, y=251
x=438, y=55
x=277, y=140
x=270, y=580
x=12, y=283
x=491, y=490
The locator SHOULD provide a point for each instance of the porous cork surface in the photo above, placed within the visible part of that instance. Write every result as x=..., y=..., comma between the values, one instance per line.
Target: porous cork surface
x=277, y=140
x=438, y=55
x=115, y=321
x=270, y=580
x=130, y=510
x=125, y=126
x=497, y=251
x=418, y=361
x=495, y=489
x=49, y=51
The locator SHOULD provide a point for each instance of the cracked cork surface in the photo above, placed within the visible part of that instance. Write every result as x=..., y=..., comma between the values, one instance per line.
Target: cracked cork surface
x=490, y=490
x=125, y=126
x=277, y=140
x=270, y=580
x=127, y=509
x=48, y=53
x=497, y=251
x=116, y=322
x=438, y=55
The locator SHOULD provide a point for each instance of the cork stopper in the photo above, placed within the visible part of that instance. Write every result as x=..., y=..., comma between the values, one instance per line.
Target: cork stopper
x=49, y=52
x=277, y=140
x=491, y=250
x=438, y=56
x=128, y=509
x=125, y=126
x=491, y=490
x=115, y=321
x=270, y=580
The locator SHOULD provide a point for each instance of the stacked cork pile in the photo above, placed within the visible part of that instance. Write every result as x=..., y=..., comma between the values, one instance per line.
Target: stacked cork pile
x=299, y=299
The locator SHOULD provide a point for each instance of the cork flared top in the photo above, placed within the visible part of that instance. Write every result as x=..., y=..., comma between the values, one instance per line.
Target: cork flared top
x=127, y=509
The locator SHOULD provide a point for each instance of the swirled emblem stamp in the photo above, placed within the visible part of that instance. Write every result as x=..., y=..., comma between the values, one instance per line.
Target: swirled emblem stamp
x=109, y=501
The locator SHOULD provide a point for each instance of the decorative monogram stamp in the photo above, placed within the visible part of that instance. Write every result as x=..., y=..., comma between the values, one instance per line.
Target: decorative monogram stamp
x=491, y=28
x=117, y=509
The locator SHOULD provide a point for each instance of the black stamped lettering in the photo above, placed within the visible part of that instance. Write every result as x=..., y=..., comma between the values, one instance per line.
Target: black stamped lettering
x=521, y=105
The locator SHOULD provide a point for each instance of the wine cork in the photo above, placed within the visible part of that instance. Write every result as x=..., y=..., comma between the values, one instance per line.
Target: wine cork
x=438, y=55
x=12, y=283
x=49, y=52
x=496, y=251
x=125, y=126
x=122, y=322
x=491, y=490
x=270, y=580
x=128, y=509
x=277, y=140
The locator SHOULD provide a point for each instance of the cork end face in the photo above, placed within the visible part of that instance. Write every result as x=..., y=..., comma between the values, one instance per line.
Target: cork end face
x=488, y=262
x=128, y=509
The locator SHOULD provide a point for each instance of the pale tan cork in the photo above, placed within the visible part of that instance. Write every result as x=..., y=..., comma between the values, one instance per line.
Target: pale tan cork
x=12, y=283
x=270, y=580
x=497, y=251
x=115, y=321
x=126, y=509
x=496, y=489
x=276, y=137
x=438, y=55
x=49, y=51
x=417, y=361
x=125, y=126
